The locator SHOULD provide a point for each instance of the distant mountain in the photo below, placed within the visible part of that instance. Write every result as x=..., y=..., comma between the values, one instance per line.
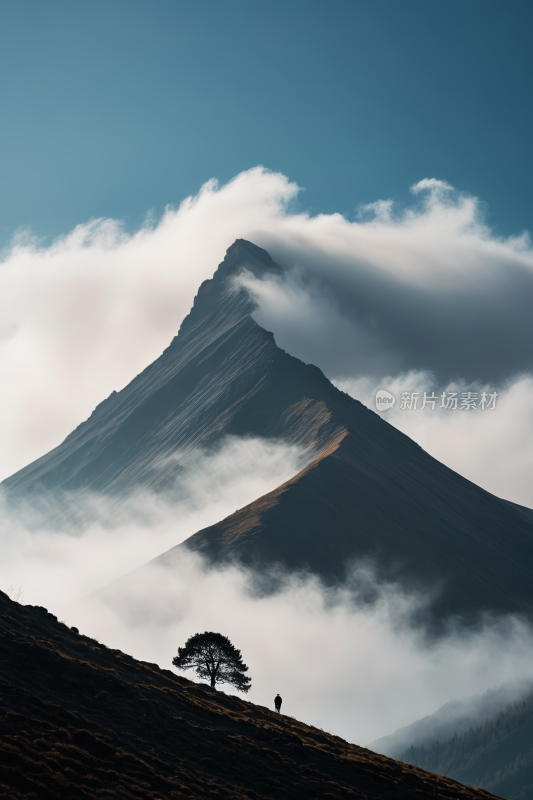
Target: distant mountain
x=453, y=719
x=496, y=755
x=368, y=491
x=81, y=721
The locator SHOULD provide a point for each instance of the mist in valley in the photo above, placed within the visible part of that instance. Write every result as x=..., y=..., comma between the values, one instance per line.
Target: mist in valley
x=83, y=316
x=359, y=670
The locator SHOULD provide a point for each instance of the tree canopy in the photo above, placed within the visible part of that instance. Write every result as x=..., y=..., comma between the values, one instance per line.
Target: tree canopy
x=213, y=656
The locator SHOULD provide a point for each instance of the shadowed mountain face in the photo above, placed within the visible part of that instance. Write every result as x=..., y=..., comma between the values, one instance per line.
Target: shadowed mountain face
x=368, y=491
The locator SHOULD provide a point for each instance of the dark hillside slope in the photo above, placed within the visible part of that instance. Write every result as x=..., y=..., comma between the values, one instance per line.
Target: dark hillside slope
x=369, y=491
x=78, y=720
x=497, y=755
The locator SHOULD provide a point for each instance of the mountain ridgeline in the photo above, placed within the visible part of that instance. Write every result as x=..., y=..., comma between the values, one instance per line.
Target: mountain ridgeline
x=368, y=492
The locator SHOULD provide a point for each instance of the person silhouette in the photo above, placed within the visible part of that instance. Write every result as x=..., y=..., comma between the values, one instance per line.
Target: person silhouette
x=277, y=703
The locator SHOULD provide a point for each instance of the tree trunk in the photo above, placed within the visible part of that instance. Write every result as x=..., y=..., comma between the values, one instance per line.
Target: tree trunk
x=212, y=681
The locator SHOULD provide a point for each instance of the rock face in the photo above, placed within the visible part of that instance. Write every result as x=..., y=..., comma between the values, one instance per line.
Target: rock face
x=368, y=491
x=155, y=734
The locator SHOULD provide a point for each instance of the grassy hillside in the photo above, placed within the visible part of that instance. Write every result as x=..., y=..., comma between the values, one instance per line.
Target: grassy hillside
x=497, y=755
x=78, y=720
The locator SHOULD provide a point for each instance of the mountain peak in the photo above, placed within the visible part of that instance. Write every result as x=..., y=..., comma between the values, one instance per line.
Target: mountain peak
x=368, y=492
x=243, y=254
x=244, y=247
x=166, y=409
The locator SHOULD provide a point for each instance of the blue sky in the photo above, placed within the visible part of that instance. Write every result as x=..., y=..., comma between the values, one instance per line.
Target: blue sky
x=118, y=107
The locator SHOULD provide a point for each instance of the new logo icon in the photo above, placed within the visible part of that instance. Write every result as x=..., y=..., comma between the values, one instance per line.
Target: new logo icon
x=384, y=400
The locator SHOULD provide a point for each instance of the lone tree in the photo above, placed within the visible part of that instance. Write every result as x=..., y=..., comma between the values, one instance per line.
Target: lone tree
x=214, y=657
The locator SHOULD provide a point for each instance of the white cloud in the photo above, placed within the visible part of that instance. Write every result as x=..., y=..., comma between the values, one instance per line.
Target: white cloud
x=357, y=672
x=423, y=288
x=429, y=286
x=376, y=302
x=83, y=316
x=62, y=546
x=491, y=447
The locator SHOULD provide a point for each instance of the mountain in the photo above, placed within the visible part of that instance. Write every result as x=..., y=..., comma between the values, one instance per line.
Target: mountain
x=81, y=721
x=452, y=720
x=205, y=385
x=368, y=492
x=496, y=755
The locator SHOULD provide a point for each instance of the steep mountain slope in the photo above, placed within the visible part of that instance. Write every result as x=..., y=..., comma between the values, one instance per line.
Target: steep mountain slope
x=371, y=494
x=368, y=492
x=222, y=374
x=497, y=755
x=81, y=721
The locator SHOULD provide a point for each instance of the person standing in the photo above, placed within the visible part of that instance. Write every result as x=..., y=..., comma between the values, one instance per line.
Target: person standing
x=277, y=703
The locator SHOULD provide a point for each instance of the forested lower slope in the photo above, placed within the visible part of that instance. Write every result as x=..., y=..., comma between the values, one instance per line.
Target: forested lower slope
x=497, y=755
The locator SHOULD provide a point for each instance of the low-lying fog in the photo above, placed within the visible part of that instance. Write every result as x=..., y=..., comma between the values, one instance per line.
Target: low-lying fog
x=410, y=299
x=357, y=673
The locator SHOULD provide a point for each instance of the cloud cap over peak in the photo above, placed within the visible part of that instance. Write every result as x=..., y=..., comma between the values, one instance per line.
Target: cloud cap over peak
x=426, y=287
